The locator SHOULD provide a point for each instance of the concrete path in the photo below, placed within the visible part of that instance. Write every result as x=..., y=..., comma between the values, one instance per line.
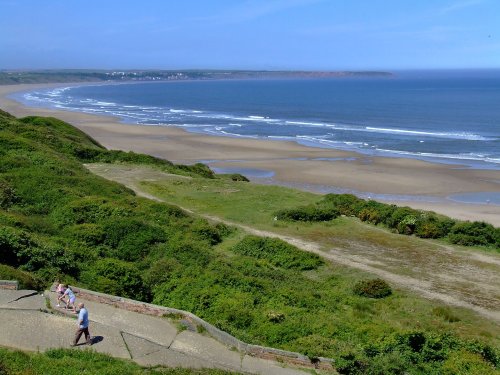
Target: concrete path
x=27, y=323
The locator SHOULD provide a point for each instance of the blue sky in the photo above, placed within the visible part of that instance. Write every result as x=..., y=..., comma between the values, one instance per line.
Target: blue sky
x=253, y=34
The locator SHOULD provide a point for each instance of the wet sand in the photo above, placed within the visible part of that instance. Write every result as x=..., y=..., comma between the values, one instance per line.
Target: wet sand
x=293, y=164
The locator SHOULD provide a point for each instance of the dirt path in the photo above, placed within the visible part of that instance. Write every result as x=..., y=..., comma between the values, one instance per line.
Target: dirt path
x=464, y=279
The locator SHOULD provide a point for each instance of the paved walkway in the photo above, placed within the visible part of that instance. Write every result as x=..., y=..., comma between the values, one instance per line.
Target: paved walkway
x=26, y=323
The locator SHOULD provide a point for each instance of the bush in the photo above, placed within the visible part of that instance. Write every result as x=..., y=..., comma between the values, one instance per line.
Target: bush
x=465, y=363
x=277, y=252
x=12, y=243
x=345, y=204
x=115, y=277
x=374, y=288
x=428, y=229
x=474, y=233
x=398, y=215
x=238, y=177
x=205, y=231
x=307, y=213
x=88, y=210
x=369, y=215
x=88, y=234
x=26, y=280
x=132, y=239
x=8, y=194
x=407, y=225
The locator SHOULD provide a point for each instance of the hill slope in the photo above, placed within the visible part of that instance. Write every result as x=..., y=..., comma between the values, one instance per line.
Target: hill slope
x=59, y=220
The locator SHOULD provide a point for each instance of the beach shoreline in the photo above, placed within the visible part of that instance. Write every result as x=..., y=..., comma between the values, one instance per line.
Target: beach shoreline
x=291, y=164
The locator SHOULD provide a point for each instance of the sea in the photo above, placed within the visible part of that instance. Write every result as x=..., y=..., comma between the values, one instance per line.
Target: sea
x=450, y=117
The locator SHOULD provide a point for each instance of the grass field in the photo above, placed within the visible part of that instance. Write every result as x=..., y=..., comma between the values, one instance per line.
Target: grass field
x=77, y=362
x=468, y=275
x=58, y=219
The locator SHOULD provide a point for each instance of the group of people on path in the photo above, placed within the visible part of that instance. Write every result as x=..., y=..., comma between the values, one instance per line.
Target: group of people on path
x=66, y=295
x=63, y=291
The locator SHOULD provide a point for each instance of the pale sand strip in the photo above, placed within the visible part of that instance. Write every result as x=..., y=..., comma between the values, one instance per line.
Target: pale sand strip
x=364, y=174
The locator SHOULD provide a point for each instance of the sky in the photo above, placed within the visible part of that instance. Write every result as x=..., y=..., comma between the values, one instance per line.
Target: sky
x=250, y=34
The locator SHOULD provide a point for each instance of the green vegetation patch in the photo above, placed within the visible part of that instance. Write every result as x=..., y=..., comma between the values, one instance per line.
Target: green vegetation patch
x=374, y=288
x=278, y=253
x=77, y=362
x=403, y=220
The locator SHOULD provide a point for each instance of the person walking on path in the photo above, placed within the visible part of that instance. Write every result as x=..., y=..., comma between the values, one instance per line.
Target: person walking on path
x=71, y=298
x=83, y=325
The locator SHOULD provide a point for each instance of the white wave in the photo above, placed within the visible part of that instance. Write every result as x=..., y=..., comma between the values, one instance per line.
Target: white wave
x=464, y=135
x=233, y=134
x=106, y=104
x=466, y=156
x=194, y=125
x=317, y=140
x=282, y=137
x=306, y=123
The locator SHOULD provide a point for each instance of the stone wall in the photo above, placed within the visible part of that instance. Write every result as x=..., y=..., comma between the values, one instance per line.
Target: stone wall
x=221, y=336
x=9, y=284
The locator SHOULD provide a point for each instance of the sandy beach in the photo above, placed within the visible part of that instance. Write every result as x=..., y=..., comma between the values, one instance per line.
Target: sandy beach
x=295, y=165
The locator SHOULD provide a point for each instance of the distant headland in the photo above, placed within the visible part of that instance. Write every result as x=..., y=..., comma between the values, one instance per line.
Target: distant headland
x=13, y=77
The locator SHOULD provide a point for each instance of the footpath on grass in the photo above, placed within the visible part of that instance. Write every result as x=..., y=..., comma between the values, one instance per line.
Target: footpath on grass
x=33, y=322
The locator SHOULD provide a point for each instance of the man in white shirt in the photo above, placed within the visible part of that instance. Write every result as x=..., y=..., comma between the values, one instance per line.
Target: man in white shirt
x=83, y=325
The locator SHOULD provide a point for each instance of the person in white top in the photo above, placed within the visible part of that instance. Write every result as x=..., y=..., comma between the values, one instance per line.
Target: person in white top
x=71, y=298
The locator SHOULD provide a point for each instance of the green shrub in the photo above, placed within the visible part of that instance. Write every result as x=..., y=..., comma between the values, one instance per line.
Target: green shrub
x=161, y=271
x=12, y=243
x=8, y=194
x=199, y=169
x=474, y=233
x=345, y=204
x=51, y=257
x=466, y=363
x=238, y=177
x=428, y=229
x=398, y=215
x=88, y=210
x=369, y=215
x=131, y=239
x=407, y=224
x=186, y=250
x=115, y=277
x=26, y=280
x=307, y=213
x=88, y=234
x=208, y=232
x=277, y=252
x=374, y=288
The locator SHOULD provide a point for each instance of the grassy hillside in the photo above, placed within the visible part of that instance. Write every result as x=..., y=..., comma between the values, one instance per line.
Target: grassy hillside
x=58, y=220
x=76, y=362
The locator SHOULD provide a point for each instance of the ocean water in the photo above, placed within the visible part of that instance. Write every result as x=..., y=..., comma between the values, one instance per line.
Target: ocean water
x=446, y=117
